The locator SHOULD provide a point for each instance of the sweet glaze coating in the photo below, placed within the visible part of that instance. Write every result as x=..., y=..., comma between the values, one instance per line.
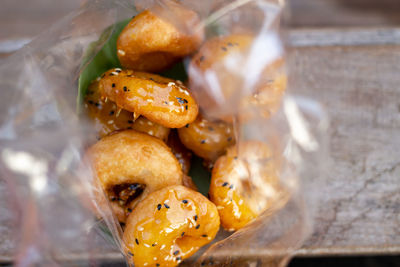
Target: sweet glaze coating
x=129, y=165
x=150, y=43
x=213, y=55
x=161, y=100
x=207, y=139
x=173, y=223
x=183, y=155
x=239, y=197
x=107, y=117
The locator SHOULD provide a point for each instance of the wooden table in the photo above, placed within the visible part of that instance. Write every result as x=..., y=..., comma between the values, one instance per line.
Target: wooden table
x=346, y=54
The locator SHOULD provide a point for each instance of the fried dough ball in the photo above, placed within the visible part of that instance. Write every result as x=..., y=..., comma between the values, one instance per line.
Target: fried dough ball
x=171, y=225
x=161, y=100
x=242, y=188
x=183, y=155
x=129, y=165
x=207, y=139
x=150, y=43
x=108, y=118
x=215, y=56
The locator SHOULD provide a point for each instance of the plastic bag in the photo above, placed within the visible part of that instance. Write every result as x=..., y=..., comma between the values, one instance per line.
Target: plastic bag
x=43, y=136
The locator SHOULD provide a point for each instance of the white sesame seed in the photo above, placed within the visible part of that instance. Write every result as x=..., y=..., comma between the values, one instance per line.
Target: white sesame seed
x=140, y=122
x=170, y=103
x=147, y=245
x=155, y=258
x=166, y=258
x=241, y=202
x=105, y=100
x=118, y=112
x=140, y=228
x=228, y=130
x=149, y=100
x=149, y=123
x=171, y=84
x=110, y=122
x=163, y=246
x=115, y=73
x=98, y=79
x=145, y=264
x=220, y=207
x=118, y=69
x=121, y=52
x=166, y=201
x=151, y=132
x=231, y=229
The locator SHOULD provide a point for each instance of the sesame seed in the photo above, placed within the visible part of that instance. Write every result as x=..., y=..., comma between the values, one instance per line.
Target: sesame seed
x=225, y=184
x=147, y=245
x=170, y=103
x=130, y=121
x=149, y=123
x=220, y=207
x=203, y=141
x=153, y=245
x=125, y=88
x=197, y=226
x=163, y=246
x=183, y=233
x=165, y=205
x=98, y=79
x=140, y=228
x=130, y=253
x=186, y=107
x=171, y=84
x=121, y=52
x=201, y=58
x=113, y=85
x=241, y=202
x=159, y=206
x=111, y=112
x=184, y=201
x=224, y=48
x=151, y=132
x=129, y=210
x=230, y=44
x=137, y=241
x=155, y=258
x=176, y=252
x=149, y=100
x=195, y=217
x=210, y=128
x=229, y=139
x=115, y=73
x=231, y=186
x=145, y=264
x=204, y=235
x=178, y=258
x=235, y=158
x=157, y=264
x=187, y=125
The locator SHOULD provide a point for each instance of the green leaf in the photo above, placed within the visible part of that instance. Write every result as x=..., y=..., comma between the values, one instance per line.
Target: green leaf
x=96, y=61
x=200, y=176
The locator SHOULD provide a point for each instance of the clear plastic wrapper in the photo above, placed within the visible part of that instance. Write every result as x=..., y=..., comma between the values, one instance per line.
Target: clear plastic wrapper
x=44, y=134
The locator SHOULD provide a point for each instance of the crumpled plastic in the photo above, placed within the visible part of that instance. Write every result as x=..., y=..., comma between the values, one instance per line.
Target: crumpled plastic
x=43, y=138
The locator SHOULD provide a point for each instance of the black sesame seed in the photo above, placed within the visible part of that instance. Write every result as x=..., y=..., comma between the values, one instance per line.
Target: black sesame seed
x=183, y=233
x=137, y=241
x=231, y=186
x=186, y=107
x=129, y=210
x=166, y=205
x=185, y=201
x=201, y=58
x=187, y=125
x=129, y=128
x=197, y=226
x=91, y=102
x=235, y=158
x=229, y=139
x=204, y=235
x=130, y=253
x=195, y=217
x=159, y=206
x=153, y=245
x=113, y=198
x=210, y=128
x=97, y=104
x=111, y=74
x=122, y=224
x=176, y=252
x=157, y=264
x=111, y=112
x=118, y=71
x=225, y=184
x=130, y=121
x=151, y=79
x=224, y=48
x=102, y=76
x=203, y=263
x=203, y=141
x=230, y=44
x=165, y=102
x=178, y=258
x=125, y=88
x=113, y=85
x=180, y=100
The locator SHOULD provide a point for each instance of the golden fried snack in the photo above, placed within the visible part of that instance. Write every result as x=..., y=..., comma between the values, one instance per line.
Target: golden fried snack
x=244, y=187
x=161, y=100
x=183, y=155
x=150, y=43
x=207, y=139
x=171, y=225
x=108, y=117
x=214, y=56
x=129, y=165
